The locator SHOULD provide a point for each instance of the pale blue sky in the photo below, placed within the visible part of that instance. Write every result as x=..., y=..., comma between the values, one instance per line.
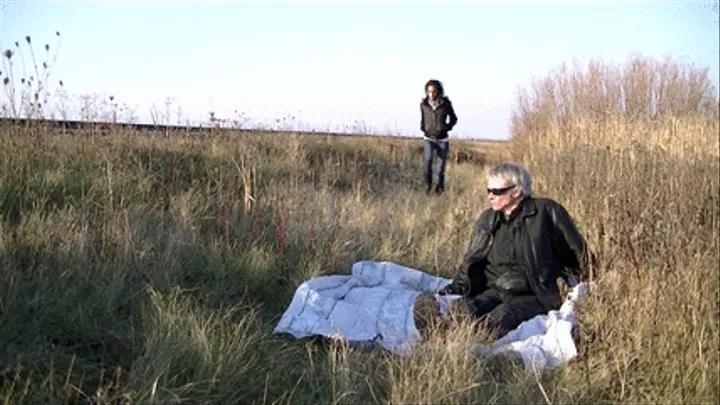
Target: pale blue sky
x=333, y=64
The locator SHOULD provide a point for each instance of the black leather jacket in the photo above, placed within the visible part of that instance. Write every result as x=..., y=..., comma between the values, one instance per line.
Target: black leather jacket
x=436, y=124
x=553, y=248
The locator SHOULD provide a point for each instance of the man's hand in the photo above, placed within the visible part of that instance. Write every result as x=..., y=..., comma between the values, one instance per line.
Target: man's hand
x=450, y=289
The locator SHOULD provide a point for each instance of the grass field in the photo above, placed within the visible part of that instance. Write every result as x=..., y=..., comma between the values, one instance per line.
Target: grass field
x=152, y=269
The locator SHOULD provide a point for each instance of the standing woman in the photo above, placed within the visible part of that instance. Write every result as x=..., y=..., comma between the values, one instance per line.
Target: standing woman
x=437, y=119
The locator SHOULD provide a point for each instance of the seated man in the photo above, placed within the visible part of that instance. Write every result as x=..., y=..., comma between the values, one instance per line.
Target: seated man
x=518, y=249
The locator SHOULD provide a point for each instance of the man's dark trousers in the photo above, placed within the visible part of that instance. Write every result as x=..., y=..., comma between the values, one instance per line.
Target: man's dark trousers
x=504, y=312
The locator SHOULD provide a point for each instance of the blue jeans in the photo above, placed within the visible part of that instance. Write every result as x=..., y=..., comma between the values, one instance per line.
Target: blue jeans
x=430, y=149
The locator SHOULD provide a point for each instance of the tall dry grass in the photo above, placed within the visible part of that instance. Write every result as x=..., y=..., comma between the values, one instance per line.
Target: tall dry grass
x=648, y=197
x=645, y=189
x=643, y=89
x=152, y=269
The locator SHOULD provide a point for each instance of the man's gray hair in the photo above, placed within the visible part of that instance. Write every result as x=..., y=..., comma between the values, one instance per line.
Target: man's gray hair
x=514, y=174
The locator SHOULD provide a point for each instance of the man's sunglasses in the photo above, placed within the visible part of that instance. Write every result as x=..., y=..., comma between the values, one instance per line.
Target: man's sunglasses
x=500, y=191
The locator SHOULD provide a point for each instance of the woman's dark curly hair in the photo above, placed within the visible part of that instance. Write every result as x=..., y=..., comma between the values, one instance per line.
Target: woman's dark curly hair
x=437, y=85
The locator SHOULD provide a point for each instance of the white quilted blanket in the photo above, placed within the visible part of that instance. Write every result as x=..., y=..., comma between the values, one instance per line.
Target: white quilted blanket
x=375, y=304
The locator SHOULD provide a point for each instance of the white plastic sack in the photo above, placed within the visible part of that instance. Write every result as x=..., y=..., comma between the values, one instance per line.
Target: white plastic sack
x=375, y=302
x=544, y=341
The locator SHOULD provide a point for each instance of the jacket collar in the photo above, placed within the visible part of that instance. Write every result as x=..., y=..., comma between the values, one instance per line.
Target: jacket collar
x=441, y=100
x=528, y=207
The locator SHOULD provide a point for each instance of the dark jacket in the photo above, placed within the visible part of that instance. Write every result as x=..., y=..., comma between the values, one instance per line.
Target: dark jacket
x=553, y=247
x=437, y=123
